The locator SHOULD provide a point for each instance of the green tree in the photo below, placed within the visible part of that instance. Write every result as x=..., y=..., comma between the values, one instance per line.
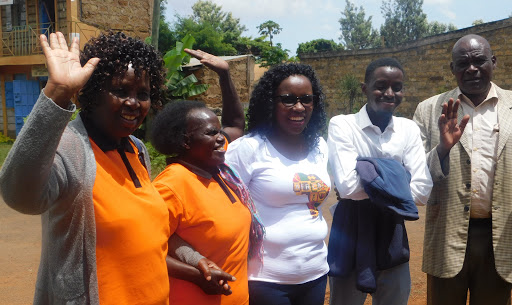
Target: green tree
x=357, y=31
x=206, y=36
x=223, y=22
x=166, y=36
x=477, y=22
x=437, y=27
x=318, y=45
x=273, y=55
x=248, y=45
x=404, y=20
x=269, y=28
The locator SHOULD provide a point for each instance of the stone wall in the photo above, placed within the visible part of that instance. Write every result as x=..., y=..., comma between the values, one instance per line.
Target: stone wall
x=131, y=16
x=242, y=73
x=426, y=63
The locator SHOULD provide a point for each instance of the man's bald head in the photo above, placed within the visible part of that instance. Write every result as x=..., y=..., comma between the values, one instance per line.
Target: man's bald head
x=468, y=40
x=472, y=65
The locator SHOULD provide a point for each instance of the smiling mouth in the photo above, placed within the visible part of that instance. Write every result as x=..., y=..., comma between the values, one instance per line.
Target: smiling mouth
x=297, y=119
x=128, y=117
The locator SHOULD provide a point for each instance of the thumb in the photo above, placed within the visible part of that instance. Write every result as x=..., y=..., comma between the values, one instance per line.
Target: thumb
x=90, y=66
x=203, y=267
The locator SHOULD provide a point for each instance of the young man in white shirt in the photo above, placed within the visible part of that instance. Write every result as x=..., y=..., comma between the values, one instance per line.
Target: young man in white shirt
x=374, y=132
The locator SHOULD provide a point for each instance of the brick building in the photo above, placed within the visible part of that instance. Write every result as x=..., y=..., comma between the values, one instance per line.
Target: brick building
x=22, y=64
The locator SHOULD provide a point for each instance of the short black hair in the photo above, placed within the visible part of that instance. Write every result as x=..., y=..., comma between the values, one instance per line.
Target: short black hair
x=260, y=115
x=381, y=62
x=170, y=126
x=116, y=51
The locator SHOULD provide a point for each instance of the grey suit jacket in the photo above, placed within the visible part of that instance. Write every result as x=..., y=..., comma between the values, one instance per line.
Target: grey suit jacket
x=447, y=219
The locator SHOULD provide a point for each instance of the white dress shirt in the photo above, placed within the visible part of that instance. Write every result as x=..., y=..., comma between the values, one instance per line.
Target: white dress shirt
x=352, y=136
x=482, y=135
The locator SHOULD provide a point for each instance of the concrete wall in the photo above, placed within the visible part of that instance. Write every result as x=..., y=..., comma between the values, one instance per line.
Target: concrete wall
x=131, y=16
x=426, y=63
x=242, y=73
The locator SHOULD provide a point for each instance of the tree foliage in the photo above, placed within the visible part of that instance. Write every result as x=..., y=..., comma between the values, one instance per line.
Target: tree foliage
x=272, y=55
x=218, y=32
x=269, y=28
x=356, y=30
x=179, y=85
x=318, y=45
x=206, y=36
x=477, y=22
x=353, y=98
x=207, y=12
x=436, y=27
x=404, y=20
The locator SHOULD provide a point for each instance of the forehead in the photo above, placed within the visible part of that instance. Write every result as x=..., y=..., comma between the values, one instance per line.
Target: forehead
x=201, y=118
x=293, y=82
x=129, y=76
x=471, y=47
x=387, y=73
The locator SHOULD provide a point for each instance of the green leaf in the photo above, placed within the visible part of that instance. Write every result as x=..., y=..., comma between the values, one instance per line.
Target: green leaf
x=197, y=89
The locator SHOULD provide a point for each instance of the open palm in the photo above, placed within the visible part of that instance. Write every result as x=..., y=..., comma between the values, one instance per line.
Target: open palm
x=450, y=131
x=66, y=75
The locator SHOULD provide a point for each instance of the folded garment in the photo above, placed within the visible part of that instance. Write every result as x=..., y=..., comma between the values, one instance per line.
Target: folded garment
x=369, y=235
x=387, y=184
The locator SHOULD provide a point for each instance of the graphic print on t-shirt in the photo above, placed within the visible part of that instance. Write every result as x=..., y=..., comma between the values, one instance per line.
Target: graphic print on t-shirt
x=312, y=186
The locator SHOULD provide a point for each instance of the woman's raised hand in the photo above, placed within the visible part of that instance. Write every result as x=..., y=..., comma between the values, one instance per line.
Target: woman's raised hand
x=66, y=75
x=217, y=64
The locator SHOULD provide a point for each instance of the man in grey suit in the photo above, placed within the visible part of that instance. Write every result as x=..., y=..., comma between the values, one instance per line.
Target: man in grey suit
x=468, y=226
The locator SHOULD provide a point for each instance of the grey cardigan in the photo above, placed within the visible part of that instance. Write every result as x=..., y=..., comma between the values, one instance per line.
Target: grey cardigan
x=50, y=170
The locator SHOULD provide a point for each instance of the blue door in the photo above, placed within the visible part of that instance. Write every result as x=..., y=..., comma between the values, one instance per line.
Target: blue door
x=25, y=94
x=9, y=99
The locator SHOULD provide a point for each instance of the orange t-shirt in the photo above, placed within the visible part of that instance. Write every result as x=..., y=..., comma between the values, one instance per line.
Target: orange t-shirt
x=132, y=230
x=204, y=216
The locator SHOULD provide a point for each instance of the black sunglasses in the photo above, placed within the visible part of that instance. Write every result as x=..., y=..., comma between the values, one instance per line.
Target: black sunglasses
x=289, y=100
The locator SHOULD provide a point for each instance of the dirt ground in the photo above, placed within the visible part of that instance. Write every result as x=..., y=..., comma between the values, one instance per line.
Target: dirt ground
x=20, y=246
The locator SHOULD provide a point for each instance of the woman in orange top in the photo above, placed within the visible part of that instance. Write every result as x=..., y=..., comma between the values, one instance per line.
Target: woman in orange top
x=105, y=227
x=213, y=209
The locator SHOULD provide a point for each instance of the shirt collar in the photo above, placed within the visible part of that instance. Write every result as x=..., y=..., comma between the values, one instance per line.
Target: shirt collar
x=104, y=142
x=196, y=170
x=363, y=120
x=491, y=96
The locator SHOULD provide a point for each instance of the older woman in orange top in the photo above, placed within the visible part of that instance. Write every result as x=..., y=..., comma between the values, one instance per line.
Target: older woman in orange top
x=213, y=209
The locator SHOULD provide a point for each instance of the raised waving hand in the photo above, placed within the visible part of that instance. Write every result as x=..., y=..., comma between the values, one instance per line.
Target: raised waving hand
x=450, y=131
x=66, y=74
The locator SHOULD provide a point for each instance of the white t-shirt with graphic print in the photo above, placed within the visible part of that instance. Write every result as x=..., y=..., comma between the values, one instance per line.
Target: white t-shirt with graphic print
x=287, y=194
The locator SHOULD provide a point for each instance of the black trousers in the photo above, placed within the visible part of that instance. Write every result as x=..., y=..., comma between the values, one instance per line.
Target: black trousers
x=478, y=274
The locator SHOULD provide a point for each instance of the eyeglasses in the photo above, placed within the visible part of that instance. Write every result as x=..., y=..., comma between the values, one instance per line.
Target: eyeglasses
x=289, y=100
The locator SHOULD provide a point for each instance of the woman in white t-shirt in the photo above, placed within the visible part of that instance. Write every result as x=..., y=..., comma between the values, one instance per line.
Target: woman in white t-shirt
x=283, y=161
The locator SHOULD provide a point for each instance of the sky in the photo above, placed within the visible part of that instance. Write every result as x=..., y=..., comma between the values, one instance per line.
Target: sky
x=306, y=20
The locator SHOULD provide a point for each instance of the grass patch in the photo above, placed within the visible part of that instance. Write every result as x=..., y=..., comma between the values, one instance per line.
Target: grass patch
x=4, y=150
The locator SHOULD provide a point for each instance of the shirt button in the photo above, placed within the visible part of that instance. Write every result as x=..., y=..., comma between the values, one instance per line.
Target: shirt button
x=475, y=149
x=466, y=208
x=468, y=161
x=468, y=185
